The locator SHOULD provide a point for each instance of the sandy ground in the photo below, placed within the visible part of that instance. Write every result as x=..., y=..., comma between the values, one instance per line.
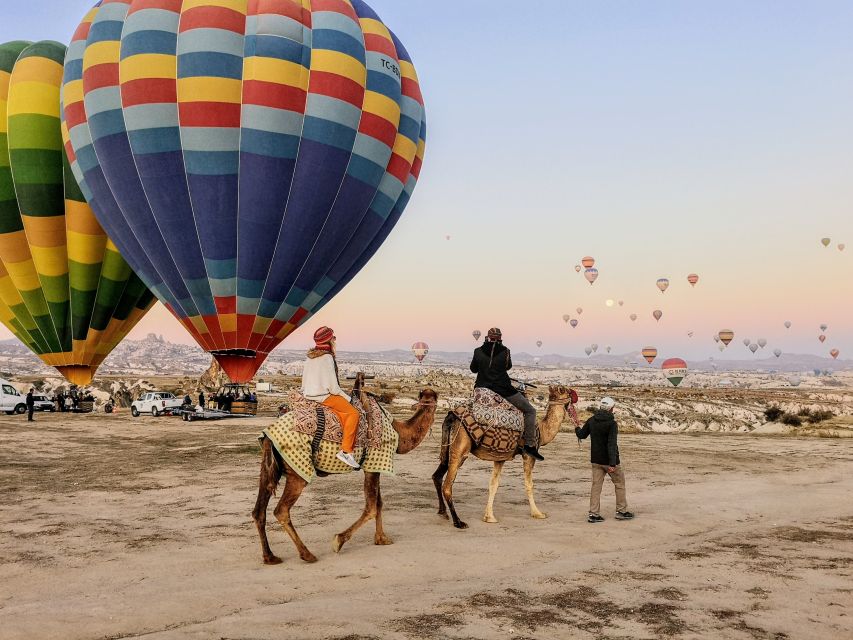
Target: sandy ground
x=112, y=527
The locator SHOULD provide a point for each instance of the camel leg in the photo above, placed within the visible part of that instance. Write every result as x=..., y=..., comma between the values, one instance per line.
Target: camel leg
x=380, y=537
x=529, y=463
x=460, y=447
x=438, y=476
x=293, y=487
x=270, y=475
x=494, y=483
x=371, y=501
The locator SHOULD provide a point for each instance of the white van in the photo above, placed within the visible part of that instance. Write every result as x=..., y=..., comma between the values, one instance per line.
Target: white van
x=10, y=400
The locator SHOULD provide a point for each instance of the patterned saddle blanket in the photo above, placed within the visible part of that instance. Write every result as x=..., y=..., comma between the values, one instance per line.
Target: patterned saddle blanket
x=305, y=416
x=491, y=422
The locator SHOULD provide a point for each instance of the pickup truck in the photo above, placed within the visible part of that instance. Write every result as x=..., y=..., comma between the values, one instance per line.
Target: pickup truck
x=155, y=403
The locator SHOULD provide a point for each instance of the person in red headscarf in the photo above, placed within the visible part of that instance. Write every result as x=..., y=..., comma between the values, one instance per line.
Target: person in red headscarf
x=320, y=383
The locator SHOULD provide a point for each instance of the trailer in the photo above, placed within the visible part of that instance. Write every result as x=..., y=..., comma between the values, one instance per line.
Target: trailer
x=194, y=413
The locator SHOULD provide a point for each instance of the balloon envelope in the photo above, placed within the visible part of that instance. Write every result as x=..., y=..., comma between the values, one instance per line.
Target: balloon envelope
x=578, y=268
x=633, y=317
x=842, y=247
x=588, y=262
x=574, y=323
x=476, y=333
x=579, y=310
x=420, y=350
x=658, y=314
x=663, y=284
x=588, y=351
x=825, y=241
x=777, y=352
x=726, y=336
x=591, y=275
x=834, y=353
x=787, y=324
x=824, y=327
x=822, y=338
x=762, y=342
x=693, y=279
x=675, y=370
x=753, y=347
x=538, y=343
x=248, y=158
x=650, y=353
x=65, y=291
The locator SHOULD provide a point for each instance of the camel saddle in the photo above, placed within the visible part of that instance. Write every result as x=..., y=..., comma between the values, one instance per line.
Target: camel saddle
x=309, y=414
x=491, y=422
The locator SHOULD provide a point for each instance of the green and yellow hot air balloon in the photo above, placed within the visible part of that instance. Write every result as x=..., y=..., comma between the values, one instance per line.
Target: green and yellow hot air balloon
x=65, y=291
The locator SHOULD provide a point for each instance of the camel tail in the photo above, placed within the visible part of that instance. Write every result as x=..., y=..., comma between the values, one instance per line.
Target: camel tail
x=271, y=466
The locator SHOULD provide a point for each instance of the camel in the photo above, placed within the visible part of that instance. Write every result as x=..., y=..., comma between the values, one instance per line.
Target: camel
x=456, y=446
x=273, y=467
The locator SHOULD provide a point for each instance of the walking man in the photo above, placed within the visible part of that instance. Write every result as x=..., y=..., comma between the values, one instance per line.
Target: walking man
x=31, y=403
x=604, y=455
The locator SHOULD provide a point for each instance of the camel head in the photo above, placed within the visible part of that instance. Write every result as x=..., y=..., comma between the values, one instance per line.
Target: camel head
x=560, y=394
x=414, y=430
x=427, y=398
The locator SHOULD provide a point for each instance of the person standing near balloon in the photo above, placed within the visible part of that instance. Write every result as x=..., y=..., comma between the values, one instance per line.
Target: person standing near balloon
x=31, y=404
x=320, y=383
x=491, y=363
x=604, y=455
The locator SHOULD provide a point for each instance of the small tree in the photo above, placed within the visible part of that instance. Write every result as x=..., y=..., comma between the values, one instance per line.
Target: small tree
x=772, y=414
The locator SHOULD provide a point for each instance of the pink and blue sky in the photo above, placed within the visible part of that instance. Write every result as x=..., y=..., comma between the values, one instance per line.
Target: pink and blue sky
x=662, y=138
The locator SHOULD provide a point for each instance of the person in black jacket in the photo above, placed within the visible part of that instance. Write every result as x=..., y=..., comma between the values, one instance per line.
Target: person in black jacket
x=604, y=455
x=491, y=363
x=31, y=403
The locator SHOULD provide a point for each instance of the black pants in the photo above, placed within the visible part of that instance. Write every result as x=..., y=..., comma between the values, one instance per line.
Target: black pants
x=531, y=433
x=30, y=414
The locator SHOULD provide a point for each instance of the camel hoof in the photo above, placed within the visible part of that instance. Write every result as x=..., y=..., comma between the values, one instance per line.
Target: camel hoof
x=309, y=558
x=338, y=543
x=272, y=560
x=460, y=525
x=490, y=519
x=539, y=515
x=383, y=540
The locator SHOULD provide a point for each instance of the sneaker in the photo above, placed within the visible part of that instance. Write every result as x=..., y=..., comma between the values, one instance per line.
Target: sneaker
x=347, y=459
x=624, y=515
x=594, y=517
x=533, y=452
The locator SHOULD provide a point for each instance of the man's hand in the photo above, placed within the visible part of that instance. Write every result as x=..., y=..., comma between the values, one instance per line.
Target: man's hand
x=611, y=469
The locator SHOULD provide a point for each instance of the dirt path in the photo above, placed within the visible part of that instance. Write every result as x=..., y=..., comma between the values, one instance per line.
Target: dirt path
x=128, y=528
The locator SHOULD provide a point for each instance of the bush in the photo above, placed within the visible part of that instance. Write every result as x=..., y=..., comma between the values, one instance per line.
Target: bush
x=772, y=414
x=791, y=420
x=805, y=412
x=819, y=416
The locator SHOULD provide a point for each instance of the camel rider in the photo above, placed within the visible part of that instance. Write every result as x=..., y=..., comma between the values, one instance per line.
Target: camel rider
x=491, y=363
x=320, y=384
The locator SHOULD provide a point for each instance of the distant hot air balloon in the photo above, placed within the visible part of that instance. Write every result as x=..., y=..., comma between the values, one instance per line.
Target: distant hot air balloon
x=777, y=352
x=834, y=353
x=675, y=370
x=447, y=237
x=726, y=336
x=762, y=342
x=650, y=353
x=658, y=314
x=566, y=317
x=537, y=360
x=578, y=268
x=787, y=324
x=247, y=158
x=824, y=327
x=689, y=334
x=591, y=275
x=822, y=338
x=722, y=348
x=588, y=351
x=621, y=303
x=716, y=338
x=574, y=323
x=579, y=310
x=663, y=284
x=794, y=381
x=753, y=347
x=538, y=343
x=476, y=333
x=594, y=348
x=825, y=242
x=633, y=317
x=609, y=349
x=420, y=350
x=693, y=279
x=842, y=246
x=65, y=291
x=588, y=262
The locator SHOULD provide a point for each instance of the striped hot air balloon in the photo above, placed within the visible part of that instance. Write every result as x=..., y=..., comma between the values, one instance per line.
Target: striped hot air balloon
x=476, y=334
x=726, y=336
x=420, y=350
x=65, y=291
x=574, y=323
x=591, y=275
x=650, y=353
x=663, y=284
x=588, y=262
x=693, y=279
x=658, y=314
x=248, y=157
x=675, y=370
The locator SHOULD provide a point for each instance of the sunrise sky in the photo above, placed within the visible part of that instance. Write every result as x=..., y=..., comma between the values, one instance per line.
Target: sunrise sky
x=662, y=138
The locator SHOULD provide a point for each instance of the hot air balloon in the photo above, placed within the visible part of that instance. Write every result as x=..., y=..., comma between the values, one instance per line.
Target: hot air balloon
x=476, y=333
x=689, y=334
x=746, y=342
x=538, y=343
x=650, y=353
x=825, y=242
x=633, y=317
x=842, y=246
x=447, y=237
x=621, y=303
x=663, y=284
x=794, y=381
x=722, y=348
x=594, y=348
x=566, y=317
x=588, y=351
x=777, y=352
x=537, y=360
x=693, y=279
x=609, y=349
x=591, y=275
x=674, y=370
x=658, y=314
x=588, y=262
x=753, y=347
x=762, y=342
x=420, y=350
x=726, y=336
x=579, y=310
x=834, y=353
x=65, y=291
x=248, y=158
x=824, y=327
x=578, y=268
x=574, y=323
x=822, y=338
x=716, y=338
x=787, y=324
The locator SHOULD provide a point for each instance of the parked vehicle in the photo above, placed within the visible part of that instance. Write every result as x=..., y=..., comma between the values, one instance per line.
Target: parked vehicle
x=11, y=401
x=43, y=403
x=156, y=403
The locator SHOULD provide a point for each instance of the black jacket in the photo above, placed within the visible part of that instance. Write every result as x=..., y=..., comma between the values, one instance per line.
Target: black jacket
x=491, y=363
x=30, y=400
x=602, y=427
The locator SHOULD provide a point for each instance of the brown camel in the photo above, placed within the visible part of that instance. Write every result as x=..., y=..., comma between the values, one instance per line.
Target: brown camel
x=456, y=446
x=411, y=432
